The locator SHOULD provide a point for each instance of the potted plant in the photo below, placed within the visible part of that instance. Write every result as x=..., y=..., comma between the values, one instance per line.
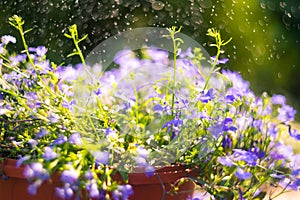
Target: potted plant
x=115, y=137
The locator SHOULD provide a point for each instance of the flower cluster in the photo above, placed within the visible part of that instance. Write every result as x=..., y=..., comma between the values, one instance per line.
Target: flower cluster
x=148, y=111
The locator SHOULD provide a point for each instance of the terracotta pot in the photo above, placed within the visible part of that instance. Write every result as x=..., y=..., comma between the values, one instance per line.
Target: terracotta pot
x=156, y=187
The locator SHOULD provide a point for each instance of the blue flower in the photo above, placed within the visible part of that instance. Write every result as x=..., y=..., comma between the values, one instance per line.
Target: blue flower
x=205, y=98
x=60, y=140
x=222, y=126
x=236, y=79
x=101, y=157
x=149, y=170
x=157, y=55
x=75, y=138
x=220, y=61
x=278, y=99
x=5, y=39
x=286, y=113
x=249, y=157
x=69, y=105
x=123, y=192
x=70, y=176
x=294, y=134
x=32, y=188
x=33, y=100
x=21, y=160
x=41, y=51
x=42, y=133
x=65, y=193
x=226, y=161
x=49, y=154
x=241, y=174
x=36, y=171
x=142, y=152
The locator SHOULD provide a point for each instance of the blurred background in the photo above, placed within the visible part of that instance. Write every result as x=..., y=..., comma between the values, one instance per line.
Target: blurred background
x=266, y=33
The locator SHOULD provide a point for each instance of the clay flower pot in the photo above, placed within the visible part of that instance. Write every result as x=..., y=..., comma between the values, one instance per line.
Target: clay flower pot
x=156, y=187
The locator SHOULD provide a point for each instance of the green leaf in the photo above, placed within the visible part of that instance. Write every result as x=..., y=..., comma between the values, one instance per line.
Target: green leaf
x=53, y=164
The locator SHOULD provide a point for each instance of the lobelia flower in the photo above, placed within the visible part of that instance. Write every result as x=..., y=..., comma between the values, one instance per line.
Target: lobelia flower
x=49, y=154
x=226, y=161
x=21, y=160
x=247, y=156
x=36, y=171
x=32, y=100
x=286, y=113
x=75, y=138
x=278, y=99
x=220, y=61
x=41, y=133
x=70, y=176
x=123, y=192
x=32, y=188
x=66, y=192
x=205, y=98
x=60, y=140
x=241, y=174
x=101, y=157
x=5, y=39
x=222, y=126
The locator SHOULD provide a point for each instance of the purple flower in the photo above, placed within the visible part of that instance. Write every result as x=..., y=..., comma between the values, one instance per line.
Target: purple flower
x=149, y=170
x=36, y=171
x=15, y=60
x=32, y=188
x=257, y=124
x=21, y=160
x=236, y=79
x=98, y=92
x=65, y=193
x=220, y=61
x=102, y=157
x=205, y=98
x=226, y=161
x=230, y=98
x=42, y=133
x=157, y=107
x=32, y=100
x=282, y=152
x=5, y=39
x=176, y=122
x=142, y=152
x=227, y=141
x=49, y=154
x=70, y=176
x=241, y=174
x=41, y=51
x=75, y=138
x=278, y=99
x=123, y=192
x=249, y=157
x=110, y=133
x=69, y=105
x=157, y=55
x=225, y=125
x=294, y=133
x=286, y=113
x=93, y=190
x=60, y=140
x=53, y=118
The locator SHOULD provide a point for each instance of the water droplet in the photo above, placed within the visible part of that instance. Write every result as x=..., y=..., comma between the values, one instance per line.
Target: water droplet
x=205, y=3
x=158, y=5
